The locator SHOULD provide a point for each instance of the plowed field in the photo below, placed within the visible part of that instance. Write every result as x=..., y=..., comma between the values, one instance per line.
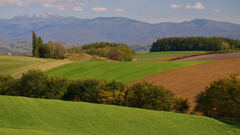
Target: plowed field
x=187, y=82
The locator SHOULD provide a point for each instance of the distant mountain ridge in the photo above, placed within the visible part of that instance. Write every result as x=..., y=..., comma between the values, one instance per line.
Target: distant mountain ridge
x=111, y=29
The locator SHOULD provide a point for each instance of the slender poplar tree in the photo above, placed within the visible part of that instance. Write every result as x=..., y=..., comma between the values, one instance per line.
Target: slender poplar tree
x=35, y=52
x=40, y=44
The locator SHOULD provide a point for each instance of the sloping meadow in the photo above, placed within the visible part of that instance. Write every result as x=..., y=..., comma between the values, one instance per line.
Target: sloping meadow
x=118, y=71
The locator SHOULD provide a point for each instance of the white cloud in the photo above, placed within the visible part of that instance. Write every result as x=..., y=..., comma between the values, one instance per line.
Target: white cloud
x=99, y=9
x=119, y=10
x=56, y=4
x=78, y=9
x=174, y=6
x=217, y=10
x=197, y=6
x=47, y=5
x=59, y=7
x=5, y=3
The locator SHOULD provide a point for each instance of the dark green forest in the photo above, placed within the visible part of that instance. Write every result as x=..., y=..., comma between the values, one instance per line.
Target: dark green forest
x=195, y=44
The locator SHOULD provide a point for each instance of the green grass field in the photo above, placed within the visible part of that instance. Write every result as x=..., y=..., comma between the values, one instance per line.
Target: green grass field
x=16, y=65
x=153, y=55
x=27, y=116
x=119, y=71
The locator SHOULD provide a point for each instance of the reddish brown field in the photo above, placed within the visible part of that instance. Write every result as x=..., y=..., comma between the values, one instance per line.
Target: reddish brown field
x=217, y=56
x=187, y=82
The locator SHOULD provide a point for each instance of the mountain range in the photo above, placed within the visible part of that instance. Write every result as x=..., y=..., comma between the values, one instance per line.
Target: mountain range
x=112, y=29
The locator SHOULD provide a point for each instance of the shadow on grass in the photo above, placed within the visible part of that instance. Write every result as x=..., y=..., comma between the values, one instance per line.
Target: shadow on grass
x=235, y=124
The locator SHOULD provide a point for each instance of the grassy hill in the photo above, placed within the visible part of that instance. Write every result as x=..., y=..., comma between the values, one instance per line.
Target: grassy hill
x=119, y=71
x=27, y=116
x=16, y=65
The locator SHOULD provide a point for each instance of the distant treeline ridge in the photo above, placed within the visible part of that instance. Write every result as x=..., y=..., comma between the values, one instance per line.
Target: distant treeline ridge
x=195, y=44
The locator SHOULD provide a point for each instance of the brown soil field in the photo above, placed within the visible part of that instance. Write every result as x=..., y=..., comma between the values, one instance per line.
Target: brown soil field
x=187, y=82
x=217, y=56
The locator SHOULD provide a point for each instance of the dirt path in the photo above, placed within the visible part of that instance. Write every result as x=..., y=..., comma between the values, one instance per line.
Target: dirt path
x=218, y=56
x=187, y=82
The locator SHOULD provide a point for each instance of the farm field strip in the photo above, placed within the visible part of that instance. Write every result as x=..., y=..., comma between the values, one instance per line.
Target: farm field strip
x=16, y=65
x=216, y=56
x=156, y=55
x=29, y=116
x=119, y=71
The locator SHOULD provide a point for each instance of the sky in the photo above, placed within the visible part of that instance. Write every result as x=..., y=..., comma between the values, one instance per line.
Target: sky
x=152, y=11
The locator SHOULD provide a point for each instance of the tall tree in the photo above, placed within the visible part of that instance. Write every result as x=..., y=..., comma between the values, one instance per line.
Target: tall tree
x=39, y=46
x=35, y=52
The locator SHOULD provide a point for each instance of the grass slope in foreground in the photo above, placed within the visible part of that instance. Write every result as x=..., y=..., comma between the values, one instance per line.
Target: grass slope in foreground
x=119, y=71
x=28, y=116
x=16, y=65
x=165, y=54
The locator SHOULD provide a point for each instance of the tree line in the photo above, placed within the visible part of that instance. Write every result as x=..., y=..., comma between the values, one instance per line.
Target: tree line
x=113, y=51
x=54, y=50
x=36, y=84
x=195, y=44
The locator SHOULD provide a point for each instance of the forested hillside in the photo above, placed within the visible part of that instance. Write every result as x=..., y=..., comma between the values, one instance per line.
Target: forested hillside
x=195, y=44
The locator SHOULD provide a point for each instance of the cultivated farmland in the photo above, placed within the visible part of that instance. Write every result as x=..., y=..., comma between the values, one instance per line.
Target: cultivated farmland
x=16, y=65
x=216, y=56
x=119, y=71
x=187, y=82
x=27, y=116
x=165, y=54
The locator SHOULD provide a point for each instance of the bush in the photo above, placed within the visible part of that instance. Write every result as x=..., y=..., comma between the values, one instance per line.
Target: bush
x=33, y=84
x=56, y=87
x=36, y=84
x=221, y=99
x=149, y=96
x=8, y=86
x=95, y=91
x=181, y=105
x=114, y=93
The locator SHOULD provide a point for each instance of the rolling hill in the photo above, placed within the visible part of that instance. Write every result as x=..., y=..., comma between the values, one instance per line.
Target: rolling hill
x=118, y=71
x=113, y=29
x=27, y=116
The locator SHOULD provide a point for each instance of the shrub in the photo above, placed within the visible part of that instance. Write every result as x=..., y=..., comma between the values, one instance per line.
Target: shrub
x=8, y=86
x=221, y=99
x=36, y=84
x=149, y=96
x=33, y=84
x=181, y=105
x=56, y=87
x=95, y=91
x=113, y=94
x=87, y=90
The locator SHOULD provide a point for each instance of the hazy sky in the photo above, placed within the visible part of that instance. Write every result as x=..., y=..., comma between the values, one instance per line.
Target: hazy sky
x=145, y=10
